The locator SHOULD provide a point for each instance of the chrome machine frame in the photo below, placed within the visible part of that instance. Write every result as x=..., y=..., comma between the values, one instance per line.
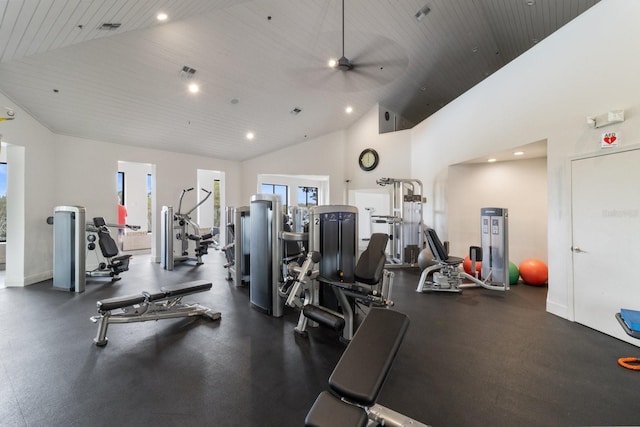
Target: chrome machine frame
x=183, y=220
x=405, y=221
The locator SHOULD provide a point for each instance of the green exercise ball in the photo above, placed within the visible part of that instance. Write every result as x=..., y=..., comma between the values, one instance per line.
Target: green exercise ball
x=514, y=273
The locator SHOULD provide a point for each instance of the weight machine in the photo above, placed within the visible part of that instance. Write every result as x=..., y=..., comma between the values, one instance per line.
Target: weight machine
x=494, y=255
x=186, y=230
x=237, y=250
x=405, y=221
x=330, y=283
x=70, y=232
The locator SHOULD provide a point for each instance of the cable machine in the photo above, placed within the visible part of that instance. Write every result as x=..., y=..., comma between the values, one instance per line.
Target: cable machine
x=405, y=222
x=186, y=230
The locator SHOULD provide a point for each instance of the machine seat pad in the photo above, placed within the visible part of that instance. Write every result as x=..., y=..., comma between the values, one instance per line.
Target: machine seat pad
x=120, y=302
x=329, y=411
x=367, y=360
x=452, y=260
x=186, y=288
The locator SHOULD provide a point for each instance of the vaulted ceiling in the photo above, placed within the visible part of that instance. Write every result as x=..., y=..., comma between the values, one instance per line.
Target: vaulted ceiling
x=109, y=70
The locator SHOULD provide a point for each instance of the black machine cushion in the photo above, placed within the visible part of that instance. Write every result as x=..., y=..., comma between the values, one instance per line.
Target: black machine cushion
x=120, y=302
x=438, y=249
x=170, y=291
x=107, y=244
x=371, y=263
x=366, y=362
x=329, y=411
x=186, y=288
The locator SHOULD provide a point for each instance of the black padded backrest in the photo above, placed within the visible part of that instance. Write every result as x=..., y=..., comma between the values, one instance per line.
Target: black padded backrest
x=108, y=246
x=371, y=263
x=436, y=246
x=365, y=364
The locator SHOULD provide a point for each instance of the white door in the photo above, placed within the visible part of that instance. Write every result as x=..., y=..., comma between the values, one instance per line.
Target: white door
x=606, y=239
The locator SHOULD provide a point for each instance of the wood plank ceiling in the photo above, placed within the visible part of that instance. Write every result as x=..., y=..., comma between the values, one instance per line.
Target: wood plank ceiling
x=255, y=62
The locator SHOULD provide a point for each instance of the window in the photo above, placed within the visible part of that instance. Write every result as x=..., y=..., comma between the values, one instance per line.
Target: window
x=307, y=196
x=280, y=190
x=149, y=203
x=120, y=188
x=3, y=202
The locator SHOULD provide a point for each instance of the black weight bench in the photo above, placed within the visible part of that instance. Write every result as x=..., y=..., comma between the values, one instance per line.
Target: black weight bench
x=359, y=375
x=164, y=304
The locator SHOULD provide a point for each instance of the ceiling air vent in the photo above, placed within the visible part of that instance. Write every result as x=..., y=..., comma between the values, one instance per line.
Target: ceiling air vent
x=109, y=26
x=187, y=72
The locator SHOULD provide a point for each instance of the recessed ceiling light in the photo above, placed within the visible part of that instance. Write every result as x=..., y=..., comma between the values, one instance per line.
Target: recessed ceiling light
x=475, y=49
x=349, y=110
x=530, y=2
x=492, y=160
x=162, y=16
x=518, y=153
x=194, y=88
x=250, y=135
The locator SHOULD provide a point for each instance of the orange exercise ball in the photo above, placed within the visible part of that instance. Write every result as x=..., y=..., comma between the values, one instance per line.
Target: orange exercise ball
x=534, y=272
x=466, y=265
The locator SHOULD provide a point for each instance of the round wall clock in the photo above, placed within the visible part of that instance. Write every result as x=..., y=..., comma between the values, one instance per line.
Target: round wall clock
x=368, y=159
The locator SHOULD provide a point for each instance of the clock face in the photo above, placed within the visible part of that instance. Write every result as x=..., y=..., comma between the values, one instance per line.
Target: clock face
x=368, y=159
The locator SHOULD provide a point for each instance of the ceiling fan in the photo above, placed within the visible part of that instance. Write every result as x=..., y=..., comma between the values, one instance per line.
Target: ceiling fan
x=343, y=64
x=377, y=61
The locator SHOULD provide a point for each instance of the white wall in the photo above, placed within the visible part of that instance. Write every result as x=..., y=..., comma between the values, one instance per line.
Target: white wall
x=320, y=156
x=394, y=149
x=173, y=172
x=31, y=197
x=586, y=68
x=520, y=186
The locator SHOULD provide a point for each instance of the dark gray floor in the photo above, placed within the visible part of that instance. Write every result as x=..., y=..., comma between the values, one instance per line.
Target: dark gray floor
x=480, y=358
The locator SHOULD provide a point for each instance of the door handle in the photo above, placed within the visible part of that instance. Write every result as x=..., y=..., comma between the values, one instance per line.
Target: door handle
x=577, y=250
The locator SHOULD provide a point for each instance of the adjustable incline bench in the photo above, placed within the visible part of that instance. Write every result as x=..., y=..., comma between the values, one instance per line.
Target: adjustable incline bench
x=164, y=304
x=359, y=375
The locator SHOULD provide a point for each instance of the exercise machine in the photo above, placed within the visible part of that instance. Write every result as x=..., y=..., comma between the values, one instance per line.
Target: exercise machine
x=495, y=245
x=164, y=304
x=266, y=251
x=405, y=221
x=357, y=379
x=69, y=256
x=69, y=252
x=113, y=263
x=237, y=250
x=328, y=293
x=179, y=231
x=447, y=274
